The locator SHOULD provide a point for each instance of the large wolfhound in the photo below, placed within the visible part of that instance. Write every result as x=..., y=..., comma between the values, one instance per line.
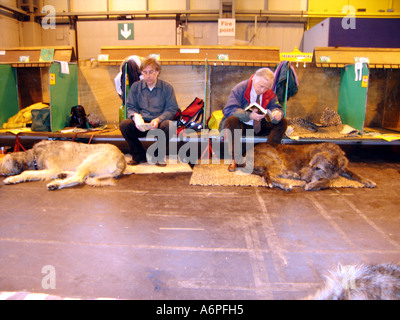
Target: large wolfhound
x=361, y=282
x=316, y=164
x=69, y=163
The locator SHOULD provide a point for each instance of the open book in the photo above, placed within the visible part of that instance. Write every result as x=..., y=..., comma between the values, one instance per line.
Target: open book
x=145, y=126
x=260, y=110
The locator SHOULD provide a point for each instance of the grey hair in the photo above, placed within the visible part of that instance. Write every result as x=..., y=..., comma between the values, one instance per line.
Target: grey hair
x=265, y=73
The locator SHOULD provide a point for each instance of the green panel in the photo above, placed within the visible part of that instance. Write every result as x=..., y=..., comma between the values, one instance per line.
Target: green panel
x=63, y=94
x=352, y=102
x=9, y=105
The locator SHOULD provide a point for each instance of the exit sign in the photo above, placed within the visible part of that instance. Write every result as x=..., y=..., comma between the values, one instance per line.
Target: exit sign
x=125, y=31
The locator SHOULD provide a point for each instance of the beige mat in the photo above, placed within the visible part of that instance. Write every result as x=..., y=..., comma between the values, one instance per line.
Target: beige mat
x=218, y=175
x=172, y=167
x=333, y=132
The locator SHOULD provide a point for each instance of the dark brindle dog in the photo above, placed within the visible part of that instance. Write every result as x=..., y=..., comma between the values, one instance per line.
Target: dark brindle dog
x=316, y=164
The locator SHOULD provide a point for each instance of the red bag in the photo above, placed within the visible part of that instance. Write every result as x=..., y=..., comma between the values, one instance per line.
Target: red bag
x=191, y=117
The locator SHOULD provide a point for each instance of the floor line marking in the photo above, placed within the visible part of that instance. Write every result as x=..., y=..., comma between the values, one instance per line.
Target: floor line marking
x=328, y=218
x=270, y=232
x=371, y=223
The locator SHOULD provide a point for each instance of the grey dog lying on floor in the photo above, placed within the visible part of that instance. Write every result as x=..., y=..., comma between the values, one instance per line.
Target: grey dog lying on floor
x=361, y=282
x=66, y=163
x=316, y=164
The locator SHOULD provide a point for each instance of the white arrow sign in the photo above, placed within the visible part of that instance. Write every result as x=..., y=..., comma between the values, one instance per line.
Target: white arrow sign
x=126, y=32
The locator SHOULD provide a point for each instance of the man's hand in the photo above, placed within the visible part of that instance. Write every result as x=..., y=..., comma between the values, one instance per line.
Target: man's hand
x=154, y=123
x=138, y=120
x=254, y=115
x=276, y=115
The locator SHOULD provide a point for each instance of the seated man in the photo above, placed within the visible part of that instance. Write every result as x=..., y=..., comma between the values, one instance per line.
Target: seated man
x=150, y=100
x=256, y=89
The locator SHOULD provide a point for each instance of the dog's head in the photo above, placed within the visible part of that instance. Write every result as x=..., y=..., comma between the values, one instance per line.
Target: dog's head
x=324, y=165
x=10, y=165
x=78, y=117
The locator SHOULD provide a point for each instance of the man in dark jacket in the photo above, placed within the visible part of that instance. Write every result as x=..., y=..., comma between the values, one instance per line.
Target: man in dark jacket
x=256, y=89
x=151, y=104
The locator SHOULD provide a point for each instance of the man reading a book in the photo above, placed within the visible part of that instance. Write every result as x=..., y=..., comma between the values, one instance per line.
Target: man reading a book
x=151, y=104
x=253, y=105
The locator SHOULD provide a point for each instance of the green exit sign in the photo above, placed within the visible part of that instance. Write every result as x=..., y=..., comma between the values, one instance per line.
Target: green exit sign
x=125, y=31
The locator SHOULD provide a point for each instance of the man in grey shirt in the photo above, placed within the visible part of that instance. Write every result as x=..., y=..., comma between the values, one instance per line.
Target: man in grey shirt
x=151, y=104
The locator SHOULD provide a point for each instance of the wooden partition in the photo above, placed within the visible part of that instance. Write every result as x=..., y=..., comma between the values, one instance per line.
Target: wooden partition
x=44, y=65
x=38, y=56
x=332, y=57
x=189, y=55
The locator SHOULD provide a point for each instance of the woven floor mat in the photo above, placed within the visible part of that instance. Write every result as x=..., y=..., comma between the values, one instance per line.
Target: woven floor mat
x=218, y=175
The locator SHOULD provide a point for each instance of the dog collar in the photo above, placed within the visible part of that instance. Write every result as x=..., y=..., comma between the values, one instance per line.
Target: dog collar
x=35, y=163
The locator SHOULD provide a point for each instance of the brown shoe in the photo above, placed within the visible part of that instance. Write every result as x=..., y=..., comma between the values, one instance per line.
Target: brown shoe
x=233, y=166
x=134, y=162
x=161, y=164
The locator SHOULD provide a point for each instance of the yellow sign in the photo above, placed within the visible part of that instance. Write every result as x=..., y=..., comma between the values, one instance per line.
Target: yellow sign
x=296, y=56
x=364, y=83
x=52, y=79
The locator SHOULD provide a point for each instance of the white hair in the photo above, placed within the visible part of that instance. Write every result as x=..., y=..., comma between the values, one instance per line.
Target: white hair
x=265, y=73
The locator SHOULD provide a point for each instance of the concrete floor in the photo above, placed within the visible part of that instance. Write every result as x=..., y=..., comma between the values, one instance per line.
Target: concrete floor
x=157, y=237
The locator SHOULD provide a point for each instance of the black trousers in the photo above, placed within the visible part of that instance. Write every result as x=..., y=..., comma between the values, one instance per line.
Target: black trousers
x=274, y=132
x=131, y=135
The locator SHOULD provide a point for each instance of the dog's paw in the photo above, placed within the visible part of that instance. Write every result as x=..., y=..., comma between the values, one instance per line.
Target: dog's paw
x=287, y=187
x=54, y=185
x=9, y=180
x=62, y=175
x=310, y=187
x=283, y=186
x=290, y=175
x=315, y=186
x=369, y=183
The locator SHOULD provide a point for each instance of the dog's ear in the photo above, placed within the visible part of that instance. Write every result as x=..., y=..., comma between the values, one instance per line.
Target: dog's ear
x=342, y=162
x=318, y=157
x=8, y=166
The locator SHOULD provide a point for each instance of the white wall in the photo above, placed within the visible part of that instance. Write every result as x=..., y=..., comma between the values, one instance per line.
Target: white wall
x=283, y=35
x=317, y=36
x=31, y=34
x=92, y=35
x=11, y=3
x=10, y=32
x=204, y=5
x=139, y=5
x=125, y=5
x=59, y=5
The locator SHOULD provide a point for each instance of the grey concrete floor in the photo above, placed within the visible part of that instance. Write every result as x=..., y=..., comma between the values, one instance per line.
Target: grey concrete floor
x=157, y=237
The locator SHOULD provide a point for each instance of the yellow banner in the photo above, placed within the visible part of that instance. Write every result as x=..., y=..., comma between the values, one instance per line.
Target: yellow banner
x=296, y=56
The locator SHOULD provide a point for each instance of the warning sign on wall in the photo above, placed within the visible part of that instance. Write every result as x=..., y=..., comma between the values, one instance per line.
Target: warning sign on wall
x=226, y=27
